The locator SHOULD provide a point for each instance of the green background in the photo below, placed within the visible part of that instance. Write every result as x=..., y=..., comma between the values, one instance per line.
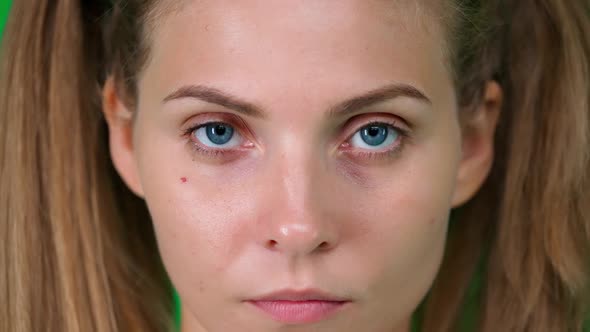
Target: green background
x=4, y=6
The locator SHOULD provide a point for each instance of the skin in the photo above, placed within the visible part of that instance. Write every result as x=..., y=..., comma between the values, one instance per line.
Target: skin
x=298, y=207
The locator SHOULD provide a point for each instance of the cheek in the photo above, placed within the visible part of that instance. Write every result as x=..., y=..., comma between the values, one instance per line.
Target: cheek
x=192, y=216
x=407, y=225
x=198, y=240
x=407, y=219
x=406, y=245
x=195, y=226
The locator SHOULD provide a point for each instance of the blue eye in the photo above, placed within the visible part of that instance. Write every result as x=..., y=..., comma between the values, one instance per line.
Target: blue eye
x=374, y=136
x=217, y=134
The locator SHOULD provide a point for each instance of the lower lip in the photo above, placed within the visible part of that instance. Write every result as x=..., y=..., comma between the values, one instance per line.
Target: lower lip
x=299, y=312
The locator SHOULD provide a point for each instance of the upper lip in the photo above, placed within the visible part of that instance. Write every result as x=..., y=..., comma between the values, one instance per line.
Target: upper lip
x=309, y=294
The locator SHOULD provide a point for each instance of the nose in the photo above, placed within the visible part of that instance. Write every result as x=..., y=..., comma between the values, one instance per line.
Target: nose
x=300, y=238
x=297, y=214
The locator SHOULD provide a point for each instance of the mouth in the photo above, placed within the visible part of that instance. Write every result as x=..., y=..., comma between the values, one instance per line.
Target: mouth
x=299, y=306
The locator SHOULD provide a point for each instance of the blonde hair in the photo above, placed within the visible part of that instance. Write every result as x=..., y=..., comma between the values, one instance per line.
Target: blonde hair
x=78, y=248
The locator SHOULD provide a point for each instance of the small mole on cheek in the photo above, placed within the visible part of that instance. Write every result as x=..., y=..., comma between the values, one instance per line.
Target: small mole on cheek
x=183, y=179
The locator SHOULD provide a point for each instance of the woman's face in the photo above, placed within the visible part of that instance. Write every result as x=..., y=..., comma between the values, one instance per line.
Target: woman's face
x=302, y=146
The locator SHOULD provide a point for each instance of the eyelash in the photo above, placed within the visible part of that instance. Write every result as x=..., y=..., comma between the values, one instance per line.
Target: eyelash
x=391, y=152
x=401, y=141
x=207, y=152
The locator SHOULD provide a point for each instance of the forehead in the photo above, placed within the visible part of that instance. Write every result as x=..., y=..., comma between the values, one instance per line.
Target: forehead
x=281, y=45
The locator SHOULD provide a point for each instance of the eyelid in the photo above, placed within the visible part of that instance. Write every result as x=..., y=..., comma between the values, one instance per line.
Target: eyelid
x=210, y=117
x=360, y=121
x=197, y=121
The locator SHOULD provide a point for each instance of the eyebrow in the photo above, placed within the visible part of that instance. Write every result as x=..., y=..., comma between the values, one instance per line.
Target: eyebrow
x=215, y=96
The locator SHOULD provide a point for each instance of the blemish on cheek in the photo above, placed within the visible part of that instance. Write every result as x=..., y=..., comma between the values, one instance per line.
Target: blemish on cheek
x=183, y=179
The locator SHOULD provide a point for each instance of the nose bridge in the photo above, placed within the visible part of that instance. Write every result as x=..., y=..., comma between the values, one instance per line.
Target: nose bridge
x=295, y=220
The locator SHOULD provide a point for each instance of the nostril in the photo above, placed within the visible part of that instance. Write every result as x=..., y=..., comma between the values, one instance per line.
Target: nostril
x=272, y=243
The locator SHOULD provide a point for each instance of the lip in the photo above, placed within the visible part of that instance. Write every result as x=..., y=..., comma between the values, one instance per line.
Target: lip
x=299, y=306
x=309, y=294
